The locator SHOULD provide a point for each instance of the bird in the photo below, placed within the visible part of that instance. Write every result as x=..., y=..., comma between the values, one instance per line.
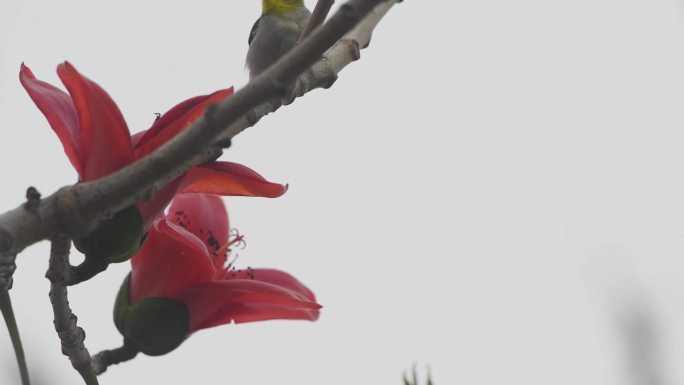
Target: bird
x=277, y=31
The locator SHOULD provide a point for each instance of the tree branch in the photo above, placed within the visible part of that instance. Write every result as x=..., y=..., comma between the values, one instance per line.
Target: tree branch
x=75, y=210
x=70, y=334
x=318, y=16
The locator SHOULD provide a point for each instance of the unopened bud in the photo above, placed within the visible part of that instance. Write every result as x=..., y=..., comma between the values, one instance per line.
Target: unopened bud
x=115, y=239
x=154, y=325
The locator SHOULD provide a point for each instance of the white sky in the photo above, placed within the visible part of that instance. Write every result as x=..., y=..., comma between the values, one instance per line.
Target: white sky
x=490, y=190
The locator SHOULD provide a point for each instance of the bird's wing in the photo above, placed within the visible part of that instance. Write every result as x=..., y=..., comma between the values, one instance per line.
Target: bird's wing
x=253, y=32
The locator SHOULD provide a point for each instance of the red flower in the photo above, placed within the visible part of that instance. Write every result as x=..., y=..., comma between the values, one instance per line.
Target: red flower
x=97, y=142
x=183, y=263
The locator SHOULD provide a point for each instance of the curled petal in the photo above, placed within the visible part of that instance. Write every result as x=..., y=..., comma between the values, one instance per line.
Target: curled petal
x=226, y=178
x=172, y=259
x=105, y=141
x=217, y=178
x=203, y=215
x=275, y=277
x=176, y=120
x=243, y=300
x=60, y=112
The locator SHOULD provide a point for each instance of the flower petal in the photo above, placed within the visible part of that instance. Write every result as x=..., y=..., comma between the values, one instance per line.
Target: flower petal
x=218, y=178
x=226, y=178
x=275, y=277
x=105, y=140
x=172, y=259
x=151, y=210
x=60, y=112
x=203, y=215
x=176, y=120
x=135, y=138
x=243, y=300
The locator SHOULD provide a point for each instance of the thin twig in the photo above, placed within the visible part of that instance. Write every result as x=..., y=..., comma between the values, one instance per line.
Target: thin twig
x=7, y=268
x=76, y=209
x=13, y=329
x=318, y=16
x=106, y=358
x=70, y=334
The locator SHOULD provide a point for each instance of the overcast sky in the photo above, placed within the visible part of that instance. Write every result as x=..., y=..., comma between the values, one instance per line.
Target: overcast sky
x=495, y=189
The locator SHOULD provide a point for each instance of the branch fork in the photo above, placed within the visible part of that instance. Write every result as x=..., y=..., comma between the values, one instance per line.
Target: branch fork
x=70, y=334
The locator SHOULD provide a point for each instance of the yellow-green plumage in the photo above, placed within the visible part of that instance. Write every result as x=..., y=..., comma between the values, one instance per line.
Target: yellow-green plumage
x=279, y=6
x=275, y=33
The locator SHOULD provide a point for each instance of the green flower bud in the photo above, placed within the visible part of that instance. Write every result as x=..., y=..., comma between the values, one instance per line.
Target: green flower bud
x=154, y=325
x=115, y=239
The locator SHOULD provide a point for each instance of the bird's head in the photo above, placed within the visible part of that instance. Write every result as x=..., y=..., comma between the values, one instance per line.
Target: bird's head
x=280, y=6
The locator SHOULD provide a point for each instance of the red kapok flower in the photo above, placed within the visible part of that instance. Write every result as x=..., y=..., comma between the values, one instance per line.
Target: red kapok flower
x=97, y=142
x=180, y=282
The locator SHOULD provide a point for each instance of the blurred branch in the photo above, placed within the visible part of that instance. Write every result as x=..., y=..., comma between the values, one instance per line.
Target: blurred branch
x=640, y=336
x=74, y=210
x=414, y=377
x=70, y=334
x=13, y=329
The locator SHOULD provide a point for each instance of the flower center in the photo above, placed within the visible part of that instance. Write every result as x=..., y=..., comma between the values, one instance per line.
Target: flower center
x=235, y=239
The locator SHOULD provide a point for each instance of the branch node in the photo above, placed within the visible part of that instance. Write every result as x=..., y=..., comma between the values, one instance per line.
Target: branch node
x=7, y=261
x=7, y=268
x=280, y=90
x=32, y=199
x=252, y=118
x=224, y=143
x=354, y=49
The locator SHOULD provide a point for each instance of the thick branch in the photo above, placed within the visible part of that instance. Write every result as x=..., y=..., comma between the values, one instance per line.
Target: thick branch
x=180, y=153
x=70, y=334
x=74, y=210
